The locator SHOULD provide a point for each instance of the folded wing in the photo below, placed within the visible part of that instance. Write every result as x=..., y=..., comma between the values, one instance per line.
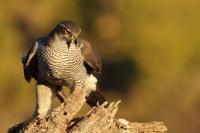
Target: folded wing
x=29, y=61
x=92, y=59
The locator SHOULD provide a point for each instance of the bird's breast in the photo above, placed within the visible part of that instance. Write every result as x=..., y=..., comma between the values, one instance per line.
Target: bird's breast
x=61, y=64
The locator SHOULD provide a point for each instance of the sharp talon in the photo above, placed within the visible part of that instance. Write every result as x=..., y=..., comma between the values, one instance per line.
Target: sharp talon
x=98, y=104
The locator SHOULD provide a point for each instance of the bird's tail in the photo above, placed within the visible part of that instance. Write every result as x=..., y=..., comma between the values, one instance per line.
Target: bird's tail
x=95, y=98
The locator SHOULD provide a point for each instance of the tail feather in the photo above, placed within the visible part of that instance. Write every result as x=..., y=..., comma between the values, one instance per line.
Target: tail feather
x=95, y=97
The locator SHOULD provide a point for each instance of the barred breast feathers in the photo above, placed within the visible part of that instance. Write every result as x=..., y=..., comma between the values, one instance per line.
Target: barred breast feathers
x=62, y=62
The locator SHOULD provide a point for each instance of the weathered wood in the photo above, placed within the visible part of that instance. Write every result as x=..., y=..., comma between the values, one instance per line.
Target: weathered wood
x=100, y=119
x=57, y=121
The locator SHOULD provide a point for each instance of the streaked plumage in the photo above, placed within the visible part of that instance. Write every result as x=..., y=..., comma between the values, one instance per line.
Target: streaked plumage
x=62, y=59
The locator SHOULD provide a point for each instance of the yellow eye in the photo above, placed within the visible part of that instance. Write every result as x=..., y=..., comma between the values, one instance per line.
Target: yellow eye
x=65, y=31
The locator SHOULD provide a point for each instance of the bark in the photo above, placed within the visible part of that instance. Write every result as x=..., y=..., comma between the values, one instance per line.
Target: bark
x=100, y=119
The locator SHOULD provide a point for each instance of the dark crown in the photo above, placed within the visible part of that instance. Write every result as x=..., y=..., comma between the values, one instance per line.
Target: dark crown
x=71, y=26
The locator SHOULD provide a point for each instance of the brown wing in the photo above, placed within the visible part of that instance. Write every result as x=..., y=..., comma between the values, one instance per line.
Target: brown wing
x=29, y=61
x=91, y=57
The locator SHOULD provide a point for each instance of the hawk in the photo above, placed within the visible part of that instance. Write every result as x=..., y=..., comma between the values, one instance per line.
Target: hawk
x=62, y=59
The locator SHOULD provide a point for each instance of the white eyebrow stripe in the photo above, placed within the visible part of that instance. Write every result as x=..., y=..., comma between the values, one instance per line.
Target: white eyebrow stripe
x=62, y=25
x=65, y=27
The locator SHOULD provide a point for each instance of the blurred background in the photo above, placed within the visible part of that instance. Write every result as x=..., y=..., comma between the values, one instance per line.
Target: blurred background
x=150, y=51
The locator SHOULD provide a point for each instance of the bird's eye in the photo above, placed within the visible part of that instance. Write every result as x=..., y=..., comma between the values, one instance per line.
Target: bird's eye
x=67, y=32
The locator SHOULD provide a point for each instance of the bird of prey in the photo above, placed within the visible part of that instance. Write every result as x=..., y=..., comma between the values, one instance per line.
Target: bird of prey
x=62, y=59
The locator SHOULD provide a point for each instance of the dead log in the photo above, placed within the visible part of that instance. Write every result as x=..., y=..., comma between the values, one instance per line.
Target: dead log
x=100, y=119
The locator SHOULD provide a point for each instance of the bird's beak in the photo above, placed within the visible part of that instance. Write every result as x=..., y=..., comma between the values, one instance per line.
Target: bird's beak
x=69, y=42
x=74, y=37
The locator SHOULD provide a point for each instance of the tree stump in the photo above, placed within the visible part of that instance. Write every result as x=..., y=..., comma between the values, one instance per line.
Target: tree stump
x=100, y=119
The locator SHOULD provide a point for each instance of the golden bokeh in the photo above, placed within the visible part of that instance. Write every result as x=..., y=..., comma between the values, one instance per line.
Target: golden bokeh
x=150, y=51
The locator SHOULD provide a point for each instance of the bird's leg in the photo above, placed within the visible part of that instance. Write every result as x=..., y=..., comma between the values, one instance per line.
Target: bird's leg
x=60, y=94
x=43, y=100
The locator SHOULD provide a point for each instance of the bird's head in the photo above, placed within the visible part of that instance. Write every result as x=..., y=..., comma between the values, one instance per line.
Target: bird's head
x=67, y=31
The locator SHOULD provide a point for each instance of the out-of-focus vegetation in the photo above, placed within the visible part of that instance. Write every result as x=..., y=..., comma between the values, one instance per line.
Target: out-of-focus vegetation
x=150, y=49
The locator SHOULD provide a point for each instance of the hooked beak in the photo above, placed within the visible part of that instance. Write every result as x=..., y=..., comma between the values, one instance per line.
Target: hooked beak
x=68, y=43
x=73, y=39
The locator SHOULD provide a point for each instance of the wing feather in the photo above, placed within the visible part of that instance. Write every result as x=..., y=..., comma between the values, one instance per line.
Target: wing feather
x=29, y=62
x=91, y=57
